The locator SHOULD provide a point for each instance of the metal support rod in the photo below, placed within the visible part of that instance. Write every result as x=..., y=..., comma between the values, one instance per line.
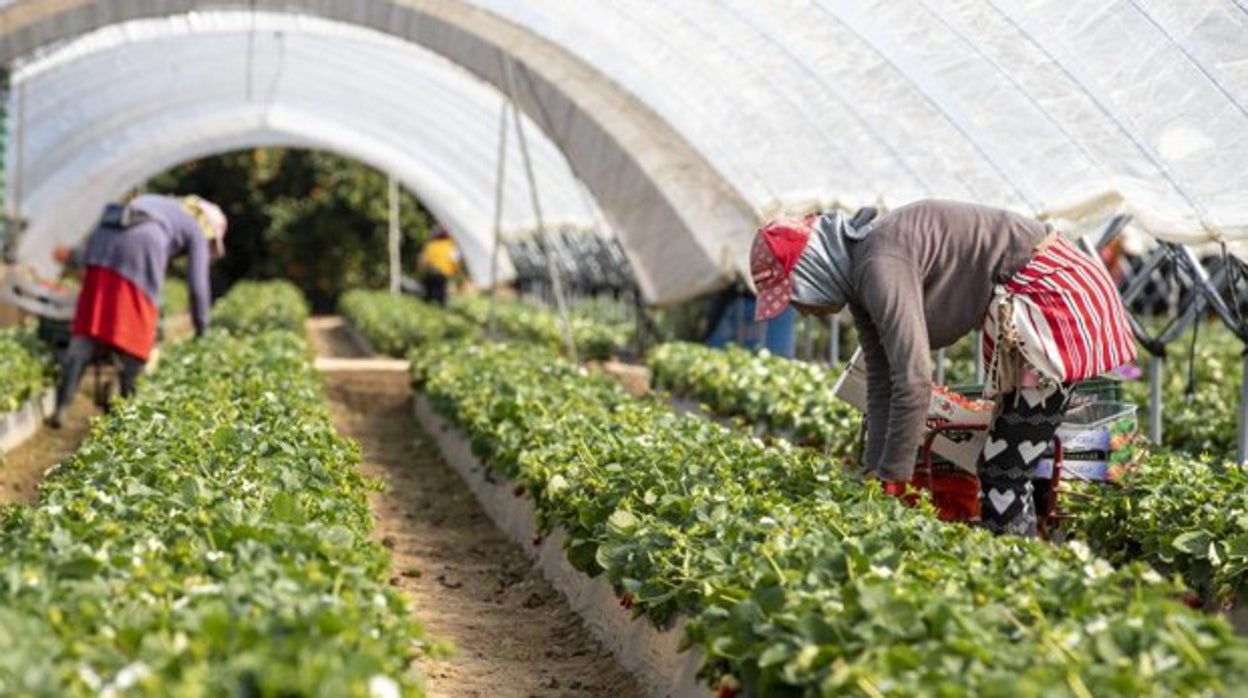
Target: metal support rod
x=940, y=367
x=556, y=278
x=740, y=323
x=977, y=344
x=499, y=175
x=1242, y=453
x=396, y=268
x=808, y=329
x=19, y=157
x=1156, y=365
x=834, y=340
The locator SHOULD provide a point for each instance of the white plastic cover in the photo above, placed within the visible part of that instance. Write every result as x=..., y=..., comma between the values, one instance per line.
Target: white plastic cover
x=105, y=112
x=690, y=121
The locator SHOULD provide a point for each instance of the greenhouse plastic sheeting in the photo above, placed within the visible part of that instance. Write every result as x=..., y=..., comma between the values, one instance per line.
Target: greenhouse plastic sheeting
x=691, y=121
x=104, y=114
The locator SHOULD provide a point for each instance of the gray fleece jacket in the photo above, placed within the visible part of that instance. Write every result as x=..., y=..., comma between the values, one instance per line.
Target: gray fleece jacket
x=922, y=277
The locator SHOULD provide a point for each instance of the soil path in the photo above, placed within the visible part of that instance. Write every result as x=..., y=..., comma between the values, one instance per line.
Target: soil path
x=514, y=634
x=22, y=469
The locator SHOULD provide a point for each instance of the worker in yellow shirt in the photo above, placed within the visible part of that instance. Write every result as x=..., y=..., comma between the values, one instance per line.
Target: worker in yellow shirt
x=437, y=264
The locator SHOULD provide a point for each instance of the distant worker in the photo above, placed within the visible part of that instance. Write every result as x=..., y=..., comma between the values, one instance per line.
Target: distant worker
x=439, y=262
x=125, y=261
x=921, y=277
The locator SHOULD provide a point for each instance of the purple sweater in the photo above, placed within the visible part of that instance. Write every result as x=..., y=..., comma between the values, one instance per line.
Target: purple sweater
x=141, y=253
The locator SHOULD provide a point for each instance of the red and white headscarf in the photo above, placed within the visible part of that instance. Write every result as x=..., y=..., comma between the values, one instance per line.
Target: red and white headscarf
x=802, y=259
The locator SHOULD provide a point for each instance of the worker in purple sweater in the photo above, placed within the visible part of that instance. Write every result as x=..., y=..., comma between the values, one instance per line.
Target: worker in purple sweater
x=125, y=261
x=921, y=277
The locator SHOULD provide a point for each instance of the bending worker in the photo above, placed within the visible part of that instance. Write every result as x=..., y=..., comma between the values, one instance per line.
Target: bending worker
x=126, y=259
x=921, y=277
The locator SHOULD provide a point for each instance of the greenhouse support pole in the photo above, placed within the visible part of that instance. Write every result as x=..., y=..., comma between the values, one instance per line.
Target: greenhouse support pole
x=940, y=367
x=396, y=269
x=1243, y=413
x=834, y=340
x=19, y=165
x=740, y=328
x=499, y=175
x=1155, y=368
x=556, y=278
x=977, y=344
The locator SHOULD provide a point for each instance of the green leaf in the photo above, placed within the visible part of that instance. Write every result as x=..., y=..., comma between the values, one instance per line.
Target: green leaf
x=623, y=522
x=1194, y=543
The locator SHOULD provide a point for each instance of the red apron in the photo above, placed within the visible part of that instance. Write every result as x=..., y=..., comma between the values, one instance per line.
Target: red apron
x=113, y=310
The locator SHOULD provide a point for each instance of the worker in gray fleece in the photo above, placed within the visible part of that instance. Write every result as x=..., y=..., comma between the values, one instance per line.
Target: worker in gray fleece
x=919, y=278
x=125, y=260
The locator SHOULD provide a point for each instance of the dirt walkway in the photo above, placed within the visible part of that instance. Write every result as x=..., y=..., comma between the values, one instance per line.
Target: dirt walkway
x=22, y=469
x=514, y=634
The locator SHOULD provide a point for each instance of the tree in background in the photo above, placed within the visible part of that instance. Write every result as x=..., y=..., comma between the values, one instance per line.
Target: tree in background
x=314, y=218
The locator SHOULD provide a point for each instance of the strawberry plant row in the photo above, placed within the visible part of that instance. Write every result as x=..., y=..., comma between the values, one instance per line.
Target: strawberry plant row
x=211, y=537
x=26, y=367
x=1203, y=421
x=395, y=325
x=790, y=398
x=1183, y=515
x=251, y=307
x=522, y=322
x=799, y=580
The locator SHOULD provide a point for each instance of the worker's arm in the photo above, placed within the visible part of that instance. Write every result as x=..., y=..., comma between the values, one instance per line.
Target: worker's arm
x=899, y=374
x=70, y=257
x=197, y=279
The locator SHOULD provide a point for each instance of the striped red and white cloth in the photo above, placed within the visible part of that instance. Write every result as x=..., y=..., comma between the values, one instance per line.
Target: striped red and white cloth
x=1064, y=316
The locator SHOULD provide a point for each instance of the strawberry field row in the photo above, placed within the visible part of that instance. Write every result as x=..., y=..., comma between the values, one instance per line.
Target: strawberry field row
x=1181, y=514
x=394, y=324
x=26, y=369
x=210, y=537
x=523, y=322
x=255, y=306
x=797, y=579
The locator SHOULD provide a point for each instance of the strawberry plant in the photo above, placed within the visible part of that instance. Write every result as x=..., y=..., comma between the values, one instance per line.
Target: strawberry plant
x=1203, y=421
x=1184, y=515
x=26, y=367
x=791, y=398
x=800, y=580
x=522, y=322
x=211, y=537
x=251, y=307
x=396, y=324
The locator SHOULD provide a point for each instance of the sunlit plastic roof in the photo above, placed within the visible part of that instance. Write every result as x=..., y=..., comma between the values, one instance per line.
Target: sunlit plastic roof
x=690, y=121
x=107, y=111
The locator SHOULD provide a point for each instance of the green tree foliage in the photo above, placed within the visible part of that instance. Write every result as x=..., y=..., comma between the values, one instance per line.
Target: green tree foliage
x=314, y=218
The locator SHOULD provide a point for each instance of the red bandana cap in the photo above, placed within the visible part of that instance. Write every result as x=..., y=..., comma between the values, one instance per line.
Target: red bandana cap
x=777, y=246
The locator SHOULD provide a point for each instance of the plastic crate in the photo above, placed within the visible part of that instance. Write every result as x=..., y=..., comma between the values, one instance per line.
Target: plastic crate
x=1090, y=435
x=1094, y=390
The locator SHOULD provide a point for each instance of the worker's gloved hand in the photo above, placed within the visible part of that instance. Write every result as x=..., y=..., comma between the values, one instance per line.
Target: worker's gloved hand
x=894, y=489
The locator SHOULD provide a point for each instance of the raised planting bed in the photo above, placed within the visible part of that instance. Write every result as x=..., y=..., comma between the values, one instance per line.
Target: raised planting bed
x=1183, y=515
x=794, y=579
x=523, y=322
x=251, y=307
x=26, y=379
x=654, y=656
x=17, y=426
x=211, y=537
x=786, y=398
x=394, y=325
